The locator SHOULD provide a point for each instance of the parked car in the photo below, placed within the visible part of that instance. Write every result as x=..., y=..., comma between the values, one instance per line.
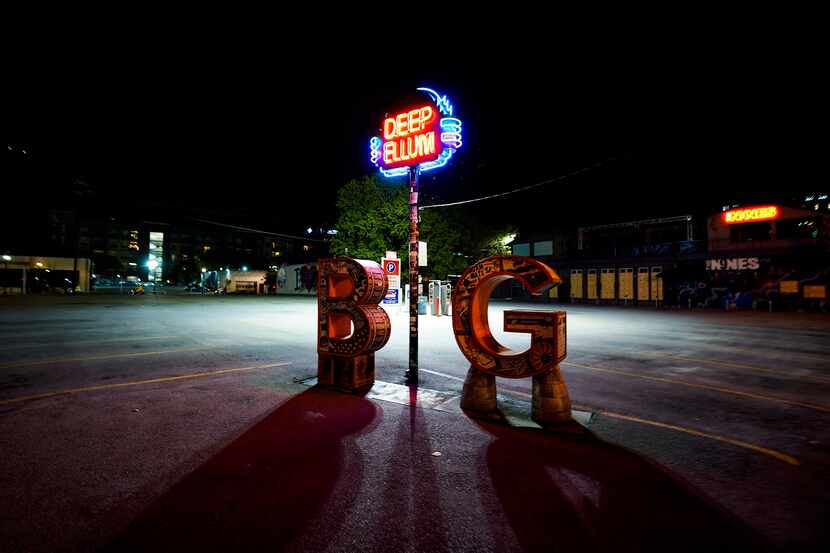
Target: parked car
x=137, y=290
x=196, y=288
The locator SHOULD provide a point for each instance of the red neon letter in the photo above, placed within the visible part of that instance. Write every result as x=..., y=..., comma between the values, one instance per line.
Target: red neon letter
x=389, y=153
x=415, y=120
x=400, y=123
x=426, y=115
x=388, y=128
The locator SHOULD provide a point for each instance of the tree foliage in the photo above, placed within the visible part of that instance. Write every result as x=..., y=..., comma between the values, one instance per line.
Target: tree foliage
x=373, y=217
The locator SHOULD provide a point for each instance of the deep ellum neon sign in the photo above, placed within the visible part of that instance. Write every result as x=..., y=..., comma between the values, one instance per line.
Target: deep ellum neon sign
x=427, y=135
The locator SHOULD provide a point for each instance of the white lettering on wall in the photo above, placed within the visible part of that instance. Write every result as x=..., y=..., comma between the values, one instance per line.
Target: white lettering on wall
x=733, y=264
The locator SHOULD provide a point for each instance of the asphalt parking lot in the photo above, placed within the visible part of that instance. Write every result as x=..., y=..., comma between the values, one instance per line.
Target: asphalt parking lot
x=107, y=401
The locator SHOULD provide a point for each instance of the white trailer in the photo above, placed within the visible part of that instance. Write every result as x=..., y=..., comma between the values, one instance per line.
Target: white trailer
x=246, y=282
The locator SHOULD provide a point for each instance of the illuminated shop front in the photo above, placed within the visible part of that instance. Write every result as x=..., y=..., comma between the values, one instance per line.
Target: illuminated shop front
x=618, y=262
x=757, y=248
x=748, y=255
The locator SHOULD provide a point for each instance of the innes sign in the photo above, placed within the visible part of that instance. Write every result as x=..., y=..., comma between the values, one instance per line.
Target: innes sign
x=733, y=264
x=750, y=214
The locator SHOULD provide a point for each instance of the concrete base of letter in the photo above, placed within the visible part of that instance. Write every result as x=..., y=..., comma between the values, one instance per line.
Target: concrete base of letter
x=347, y=374
x=551, y=402
x=479, y=394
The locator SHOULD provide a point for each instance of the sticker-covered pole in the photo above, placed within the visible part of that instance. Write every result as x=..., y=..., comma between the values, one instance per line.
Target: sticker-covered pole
x=412, y=373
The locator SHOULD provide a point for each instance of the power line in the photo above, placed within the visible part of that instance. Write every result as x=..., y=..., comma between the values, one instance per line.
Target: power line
x=257, y=231
x=523, y=188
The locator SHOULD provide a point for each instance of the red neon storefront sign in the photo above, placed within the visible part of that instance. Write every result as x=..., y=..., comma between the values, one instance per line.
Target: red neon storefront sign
x=750, y=214
x=411, y=137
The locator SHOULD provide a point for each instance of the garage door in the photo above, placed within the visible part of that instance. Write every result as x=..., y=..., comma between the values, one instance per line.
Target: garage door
x=576, y=284
x=656, y=284
x=642, y=284
x=609, y=283
x=626, y=283
x=592, y=284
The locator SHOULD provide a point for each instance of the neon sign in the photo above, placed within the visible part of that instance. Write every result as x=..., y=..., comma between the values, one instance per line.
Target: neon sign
x=426, y=136
x=411, y=137
x=750, y=214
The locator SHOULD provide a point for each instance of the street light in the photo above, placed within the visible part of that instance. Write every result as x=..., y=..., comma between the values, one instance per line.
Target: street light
x=244, y=268
x=7, y=257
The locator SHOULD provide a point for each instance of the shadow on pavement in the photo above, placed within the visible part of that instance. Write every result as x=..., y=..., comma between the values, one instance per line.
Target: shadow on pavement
x=410, y=518
x=292, y=482
x=578, y=493
x=259, y=493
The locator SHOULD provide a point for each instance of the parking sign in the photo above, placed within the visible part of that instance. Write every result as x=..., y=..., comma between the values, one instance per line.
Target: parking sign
x=392, y=269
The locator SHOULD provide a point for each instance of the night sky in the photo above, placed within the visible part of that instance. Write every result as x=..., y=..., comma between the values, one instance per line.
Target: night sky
x=267, y=140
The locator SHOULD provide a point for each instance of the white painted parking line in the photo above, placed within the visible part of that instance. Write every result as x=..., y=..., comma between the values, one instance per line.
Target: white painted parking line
x=55, y=360
x=140, y=382
x=84, y=342
x=579, y=415
x=721, y=389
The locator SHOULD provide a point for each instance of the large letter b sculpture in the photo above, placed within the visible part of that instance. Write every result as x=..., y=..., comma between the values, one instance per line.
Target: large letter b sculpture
x=351, y=326
x=489, y=359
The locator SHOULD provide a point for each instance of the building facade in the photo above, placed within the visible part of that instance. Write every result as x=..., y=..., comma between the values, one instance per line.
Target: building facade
x=738, y=256
x=618, y=262
x=176, y=252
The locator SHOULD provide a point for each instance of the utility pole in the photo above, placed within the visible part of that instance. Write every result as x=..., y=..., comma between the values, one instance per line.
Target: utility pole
x=414, y=293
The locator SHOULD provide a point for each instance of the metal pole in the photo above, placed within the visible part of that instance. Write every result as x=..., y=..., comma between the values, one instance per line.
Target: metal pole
x=412, y=373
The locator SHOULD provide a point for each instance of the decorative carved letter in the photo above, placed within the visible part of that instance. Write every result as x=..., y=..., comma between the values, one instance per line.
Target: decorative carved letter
x=488, y=358
x=350, y=324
